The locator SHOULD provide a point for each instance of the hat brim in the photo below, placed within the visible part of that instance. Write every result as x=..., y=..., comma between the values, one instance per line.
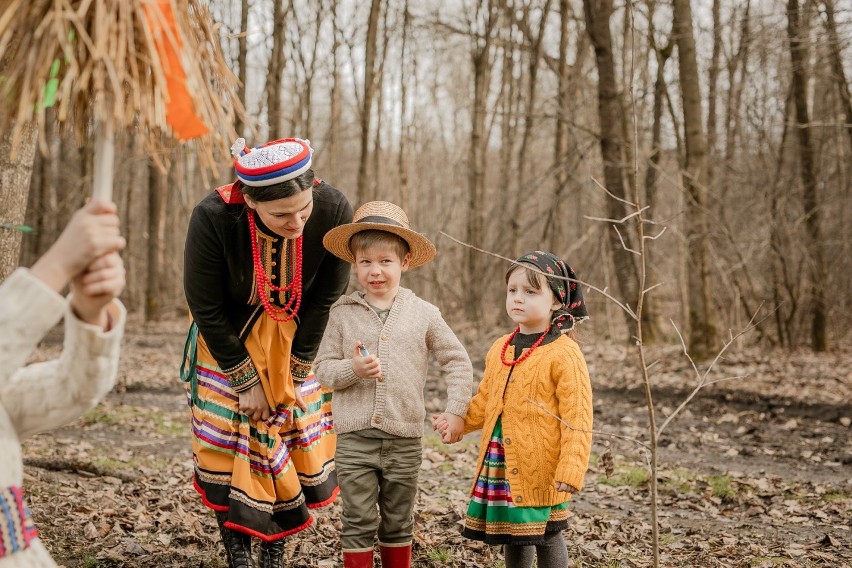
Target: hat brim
x=336, y=241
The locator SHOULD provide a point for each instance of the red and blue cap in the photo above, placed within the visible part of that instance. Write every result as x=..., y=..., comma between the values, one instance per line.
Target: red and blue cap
x=271, y=163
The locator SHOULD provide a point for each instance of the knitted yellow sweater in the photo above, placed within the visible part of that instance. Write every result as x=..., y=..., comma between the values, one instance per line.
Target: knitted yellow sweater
x=539, y=449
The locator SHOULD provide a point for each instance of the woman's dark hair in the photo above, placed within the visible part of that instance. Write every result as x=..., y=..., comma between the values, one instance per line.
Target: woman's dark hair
x=281, y=190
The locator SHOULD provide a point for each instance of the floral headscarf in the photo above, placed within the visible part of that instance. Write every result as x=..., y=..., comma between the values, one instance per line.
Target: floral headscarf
x=568, y=293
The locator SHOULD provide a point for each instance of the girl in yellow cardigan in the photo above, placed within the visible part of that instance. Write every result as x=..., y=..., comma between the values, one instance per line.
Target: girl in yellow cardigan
x=534, y=407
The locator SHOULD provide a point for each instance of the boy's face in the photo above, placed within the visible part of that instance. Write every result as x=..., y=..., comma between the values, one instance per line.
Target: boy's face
x=379, y=269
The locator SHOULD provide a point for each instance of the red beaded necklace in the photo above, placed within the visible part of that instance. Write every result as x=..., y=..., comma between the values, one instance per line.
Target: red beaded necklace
x=264, y=282
x=528, y=352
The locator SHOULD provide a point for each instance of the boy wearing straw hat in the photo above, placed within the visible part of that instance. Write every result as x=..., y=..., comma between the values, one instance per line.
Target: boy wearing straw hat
x=374, y=355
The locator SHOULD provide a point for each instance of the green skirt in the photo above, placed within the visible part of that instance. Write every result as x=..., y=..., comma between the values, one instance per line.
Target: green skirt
x=492, y=516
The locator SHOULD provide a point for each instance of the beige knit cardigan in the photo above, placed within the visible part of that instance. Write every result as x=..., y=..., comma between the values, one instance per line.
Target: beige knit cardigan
x=42, y=396
x=394, y=402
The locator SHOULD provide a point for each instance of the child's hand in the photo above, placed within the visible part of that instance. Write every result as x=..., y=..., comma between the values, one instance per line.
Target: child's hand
x=95, y=288
x=365, y=367
x=564, y=488
x=450, y=426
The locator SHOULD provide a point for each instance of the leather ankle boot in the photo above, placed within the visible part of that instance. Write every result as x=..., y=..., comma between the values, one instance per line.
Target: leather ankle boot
x=237, y=544
x=272, y=554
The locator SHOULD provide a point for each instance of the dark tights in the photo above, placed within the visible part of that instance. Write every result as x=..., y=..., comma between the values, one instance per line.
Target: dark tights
x=552, y=553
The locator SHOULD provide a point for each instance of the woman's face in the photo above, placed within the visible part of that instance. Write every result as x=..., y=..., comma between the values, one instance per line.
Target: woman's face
x=285, y=217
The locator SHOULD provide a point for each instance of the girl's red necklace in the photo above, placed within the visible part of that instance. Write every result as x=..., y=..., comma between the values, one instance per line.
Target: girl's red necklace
x=528, y=352
x=264, y=282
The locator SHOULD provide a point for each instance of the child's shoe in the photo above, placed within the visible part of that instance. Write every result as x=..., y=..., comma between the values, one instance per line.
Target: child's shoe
x=395, y=555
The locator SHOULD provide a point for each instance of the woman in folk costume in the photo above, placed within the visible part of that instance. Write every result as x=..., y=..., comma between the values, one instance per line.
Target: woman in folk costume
x=259, y=285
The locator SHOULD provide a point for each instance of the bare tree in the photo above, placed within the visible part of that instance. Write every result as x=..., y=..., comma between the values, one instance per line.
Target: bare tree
x=836, y=56
x=487, y=15
x=275, y=70
x=702, y=316
x=598, y=14
x=363, y=191
x=242, y=54
x=807, y=170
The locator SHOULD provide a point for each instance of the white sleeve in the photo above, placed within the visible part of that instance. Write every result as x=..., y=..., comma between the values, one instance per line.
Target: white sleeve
x=29, y=308
x=43, y=396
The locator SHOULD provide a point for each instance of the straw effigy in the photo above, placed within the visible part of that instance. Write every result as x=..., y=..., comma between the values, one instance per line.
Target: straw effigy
x=145, y=65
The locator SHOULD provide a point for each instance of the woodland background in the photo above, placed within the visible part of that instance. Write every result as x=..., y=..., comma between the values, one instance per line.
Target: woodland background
x=498, y=121
x=513, y=125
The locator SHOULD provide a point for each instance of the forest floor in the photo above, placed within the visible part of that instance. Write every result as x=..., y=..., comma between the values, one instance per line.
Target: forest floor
x=755, y=472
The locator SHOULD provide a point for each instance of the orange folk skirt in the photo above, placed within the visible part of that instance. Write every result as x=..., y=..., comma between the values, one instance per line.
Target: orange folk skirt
x=265, y=475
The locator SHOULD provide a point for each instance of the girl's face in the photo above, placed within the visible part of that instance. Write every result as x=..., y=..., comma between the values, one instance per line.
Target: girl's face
x=529, y=307
x=287, y=216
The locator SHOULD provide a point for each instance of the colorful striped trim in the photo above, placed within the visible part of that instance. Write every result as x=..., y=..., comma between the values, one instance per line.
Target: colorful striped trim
x=17, y=530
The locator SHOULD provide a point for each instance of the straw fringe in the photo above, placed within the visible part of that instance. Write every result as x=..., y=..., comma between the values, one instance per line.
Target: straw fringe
x=109, y=66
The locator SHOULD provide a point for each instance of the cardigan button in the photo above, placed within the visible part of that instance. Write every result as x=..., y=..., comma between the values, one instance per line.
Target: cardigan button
x=377, y=419
x=507, y=441
x=384, y=338
x=380, y=378
x=519, y=499
x=514, y=471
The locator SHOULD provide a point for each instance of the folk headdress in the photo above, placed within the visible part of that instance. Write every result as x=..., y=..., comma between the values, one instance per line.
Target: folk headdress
x=273, y=162
x=567, y=292
x=379, y=216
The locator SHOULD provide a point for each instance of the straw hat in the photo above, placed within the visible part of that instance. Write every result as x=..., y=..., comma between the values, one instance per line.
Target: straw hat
x=379, y=216
x=273, y=162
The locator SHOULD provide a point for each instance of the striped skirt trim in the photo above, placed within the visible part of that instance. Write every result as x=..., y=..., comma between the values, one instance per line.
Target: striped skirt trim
x=17, y=530
x=492, y=516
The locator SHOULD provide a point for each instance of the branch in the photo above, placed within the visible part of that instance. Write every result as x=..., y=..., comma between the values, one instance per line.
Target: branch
x=702, y=378
x=600, y=185
x=621, y=305
x=597, y=432
x=623, y=244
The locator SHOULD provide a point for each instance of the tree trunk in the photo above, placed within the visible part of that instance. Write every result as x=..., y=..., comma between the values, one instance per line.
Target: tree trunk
x=519, y=222
x=836, y=55
x=333, y=164
x=363, y=190
x=807, y=170
x=404, y=123
x=712, y=80
x=482, y=67
x=15, y=181
x=598, y=14
x=702, y=319
x=275, y=72
x=241, y=62
x=156, y=247
x=651, y=331
x=553, y=231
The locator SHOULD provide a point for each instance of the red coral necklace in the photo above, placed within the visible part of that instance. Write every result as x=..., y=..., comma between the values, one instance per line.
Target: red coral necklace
x=528, y=351
x=294, y=288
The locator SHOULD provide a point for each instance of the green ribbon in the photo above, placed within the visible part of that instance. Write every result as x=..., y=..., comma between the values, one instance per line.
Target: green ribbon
x=190, y=356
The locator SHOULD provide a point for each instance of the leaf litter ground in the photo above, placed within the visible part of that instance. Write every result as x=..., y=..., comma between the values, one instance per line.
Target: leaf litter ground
x=756, y=472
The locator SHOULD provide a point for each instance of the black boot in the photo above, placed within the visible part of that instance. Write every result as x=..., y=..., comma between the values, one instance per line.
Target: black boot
x=272, y=554
x=237, y=544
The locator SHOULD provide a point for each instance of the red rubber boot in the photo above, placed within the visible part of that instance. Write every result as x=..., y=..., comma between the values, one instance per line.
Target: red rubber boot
x=395, y=555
